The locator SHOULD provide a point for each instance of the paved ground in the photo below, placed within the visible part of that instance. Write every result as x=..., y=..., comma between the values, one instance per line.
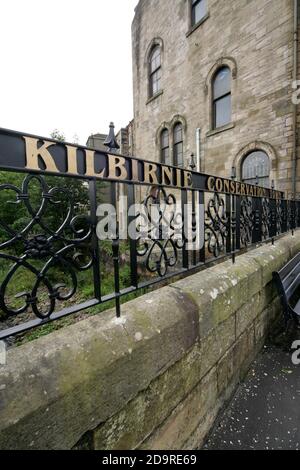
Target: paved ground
x=265, y=413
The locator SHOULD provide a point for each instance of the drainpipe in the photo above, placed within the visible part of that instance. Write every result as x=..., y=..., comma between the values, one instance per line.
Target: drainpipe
x=198, y=147
x=295, y=108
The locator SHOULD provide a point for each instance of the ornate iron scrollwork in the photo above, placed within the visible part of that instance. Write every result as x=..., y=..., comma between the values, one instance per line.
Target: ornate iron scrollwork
x=279, y=216
x=42, y=249
x=266, y=219
x=291, y=215
x=216, y=225
x=246, y=221
x=288, y=215
x=297, y=213
x=161, y=251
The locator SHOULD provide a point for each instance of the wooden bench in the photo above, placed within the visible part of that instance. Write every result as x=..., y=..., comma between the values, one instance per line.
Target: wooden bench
x=288, y=283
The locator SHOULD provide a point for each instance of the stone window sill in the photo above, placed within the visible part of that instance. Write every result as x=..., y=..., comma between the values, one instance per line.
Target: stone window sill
x=155, y=96
x=227, y=127
x=196, y=26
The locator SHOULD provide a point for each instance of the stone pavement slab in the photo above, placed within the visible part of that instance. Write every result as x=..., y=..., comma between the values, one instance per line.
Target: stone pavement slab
x=265, y=412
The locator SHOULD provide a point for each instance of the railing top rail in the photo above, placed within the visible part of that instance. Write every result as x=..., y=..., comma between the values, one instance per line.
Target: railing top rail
x=22, y=152
x=55, y=257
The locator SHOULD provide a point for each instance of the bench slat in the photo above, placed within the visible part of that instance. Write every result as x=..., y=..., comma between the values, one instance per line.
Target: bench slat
x=291, y=282
x=288, y=281
x=289, y=266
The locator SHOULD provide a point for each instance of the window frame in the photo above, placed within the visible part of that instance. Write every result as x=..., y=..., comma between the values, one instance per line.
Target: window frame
x=176, y=144
x=193, y=5
x=257, y=177
x=215, y=101
x=152, y=73
x=163, y=147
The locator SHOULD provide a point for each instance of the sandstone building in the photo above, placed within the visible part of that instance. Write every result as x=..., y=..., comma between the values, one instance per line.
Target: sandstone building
x=215, y=78
x=96, y=141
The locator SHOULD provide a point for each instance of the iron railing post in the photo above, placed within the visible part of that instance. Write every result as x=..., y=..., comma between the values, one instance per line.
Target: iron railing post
x=238, y=222
x=229, y=226
x=94, y=238
x=116, y=251
x=132, y=242
x=202, y=221
x=185, y=254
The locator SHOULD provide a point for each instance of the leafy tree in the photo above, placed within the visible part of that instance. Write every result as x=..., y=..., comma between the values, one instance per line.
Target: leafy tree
x=58, y=135
x=13, y=213
x=13, y=210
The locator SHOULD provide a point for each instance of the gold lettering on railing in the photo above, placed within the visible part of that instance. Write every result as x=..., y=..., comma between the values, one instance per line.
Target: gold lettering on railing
x=34, y=152
x=117, y=168
x=166, y=176
x=40, y=156
x=72, y=159
x=150, y=173
x=188, y=179
x=237, y=188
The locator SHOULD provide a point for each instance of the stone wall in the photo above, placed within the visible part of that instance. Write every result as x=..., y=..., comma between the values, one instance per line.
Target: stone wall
x=154, y=379
x=255, y=39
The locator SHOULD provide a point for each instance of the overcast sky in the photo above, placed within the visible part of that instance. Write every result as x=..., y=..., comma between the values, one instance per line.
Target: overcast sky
x=65, y=64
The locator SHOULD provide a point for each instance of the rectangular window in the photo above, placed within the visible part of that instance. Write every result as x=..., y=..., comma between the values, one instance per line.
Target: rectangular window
x=155, y=82
x=165, y=156
x=222, y=111
x=178, y=144
x=165, y=147
x=199, y=10
x=155, y=72
x=178, y=154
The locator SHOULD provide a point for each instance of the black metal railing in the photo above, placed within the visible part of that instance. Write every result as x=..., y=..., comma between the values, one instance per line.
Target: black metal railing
x=53, y=263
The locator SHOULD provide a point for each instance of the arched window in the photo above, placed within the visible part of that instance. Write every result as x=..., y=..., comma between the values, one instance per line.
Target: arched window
x=222, y=97
x=178, y=144
x=199, y=10
x=256, y=169
x=155, y=71
x=165, y=147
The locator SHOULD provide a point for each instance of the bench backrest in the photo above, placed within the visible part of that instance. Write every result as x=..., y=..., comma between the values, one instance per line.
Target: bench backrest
x=289, y=276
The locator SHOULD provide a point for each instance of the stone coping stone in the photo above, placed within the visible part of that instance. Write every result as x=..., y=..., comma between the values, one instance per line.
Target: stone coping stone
x=58, y=387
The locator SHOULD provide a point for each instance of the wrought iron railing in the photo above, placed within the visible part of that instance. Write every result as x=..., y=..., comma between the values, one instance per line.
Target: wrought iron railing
x=54, y=264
